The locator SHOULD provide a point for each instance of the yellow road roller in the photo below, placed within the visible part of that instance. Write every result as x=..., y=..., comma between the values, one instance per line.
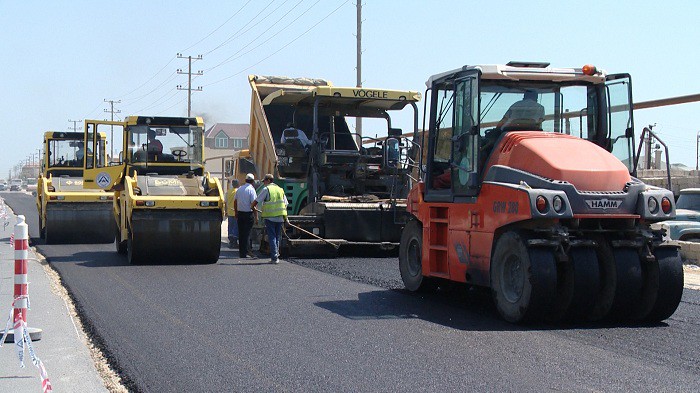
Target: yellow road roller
x=69, y=213
x=167, y=208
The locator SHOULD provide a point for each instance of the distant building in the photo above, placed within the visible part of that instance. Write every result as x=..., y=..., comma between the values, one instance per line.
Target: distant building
x=223, y=139
x=29, y=171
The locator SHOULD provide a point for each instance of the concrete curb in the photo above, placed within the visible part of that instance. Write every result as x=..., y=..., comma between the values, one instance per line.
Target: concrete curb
x=63, y=348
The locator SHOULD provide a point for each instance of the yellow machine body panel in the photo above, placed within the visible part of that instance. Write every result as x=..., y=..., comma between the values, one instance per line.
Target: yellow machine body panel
x=69, y=213
x=166, y=207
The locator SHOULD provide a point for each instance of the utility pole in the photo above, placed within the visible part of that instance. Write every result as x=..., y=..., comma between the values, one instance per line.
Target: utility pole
x=697, y=149
x=111, y=127
x=189, y=80
x=75, y=125
x=358, y=126
x=647, y=148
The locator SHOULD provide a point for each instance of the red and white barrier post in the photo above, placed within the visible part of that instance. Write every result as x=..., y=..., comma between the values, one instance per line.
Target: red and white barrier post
x=21, y=293
x=21, y=290
x=21, y=334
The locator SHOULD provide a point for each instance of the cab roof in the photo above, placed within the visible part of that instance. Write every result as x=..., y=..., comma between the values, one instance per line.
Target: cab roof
x=305, y=91
x=52, y=135
x=63, y=135
x=164, y=121
x=521, y=71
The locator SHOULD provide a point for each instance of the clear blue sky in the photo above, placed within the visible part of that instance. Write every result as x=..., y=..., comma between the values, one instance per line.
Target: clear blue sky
x=61, y=59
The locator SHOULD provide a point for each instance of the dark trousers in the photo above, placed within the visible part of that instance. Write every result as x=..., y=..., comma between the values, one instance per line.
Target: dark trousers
x=245, y=224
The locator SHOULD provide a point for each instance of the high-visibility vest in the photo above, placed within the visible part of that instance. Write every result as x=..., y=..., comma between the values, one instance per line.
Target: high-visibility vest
x=230, y=196
x=275, y=206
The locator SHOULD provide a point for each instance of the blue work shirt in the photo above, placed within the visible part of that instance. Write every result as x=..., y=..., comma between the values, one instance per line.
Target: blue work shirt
x=245, y=197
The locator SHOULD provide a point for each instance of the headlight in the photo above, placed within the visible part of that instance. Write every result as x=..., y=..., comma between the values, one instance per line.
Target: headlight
x=558, y=204
x=652, y=205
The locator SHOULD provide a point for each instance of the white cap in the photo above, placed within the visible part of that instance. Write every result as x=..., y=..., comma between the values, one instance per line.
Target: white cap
x=250, y=176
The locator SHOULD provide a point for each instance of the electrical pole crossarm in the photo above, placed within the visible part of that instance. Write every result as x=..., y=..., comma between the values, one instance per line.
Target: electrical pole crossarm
x=189, y=74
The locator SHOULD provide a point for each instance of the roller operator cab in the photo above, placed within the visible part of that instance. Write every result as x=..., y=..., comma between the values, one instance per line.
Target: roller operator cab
x=69, y=213
x=166, y=208
x=529, y=190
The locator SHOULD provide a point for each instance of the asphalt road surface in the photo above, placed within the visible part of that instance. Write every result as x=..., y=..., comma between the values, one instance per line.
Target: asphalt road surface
x=343, y=326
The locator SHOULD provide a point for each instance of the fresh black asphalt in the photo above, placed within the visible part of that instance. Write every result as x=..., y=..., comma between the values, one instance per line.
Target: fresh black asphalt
x=342, y=325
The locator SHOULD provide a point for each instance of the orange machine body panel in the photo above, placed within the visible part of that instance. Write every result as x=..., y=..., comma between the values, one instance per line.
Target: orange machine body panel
x=458, y=237
x=562, y=157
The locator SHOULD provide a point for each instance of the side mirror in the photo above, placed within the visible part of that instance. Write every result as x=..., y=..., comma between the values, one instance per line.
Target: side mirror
x=391, y=153
x=246, y=166
x=228, y=170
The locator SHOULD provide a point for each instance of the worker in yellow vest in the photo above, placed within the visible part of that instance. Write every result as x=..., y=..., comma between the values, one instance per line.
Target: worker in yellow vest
x=274, y=212
x=231, y=213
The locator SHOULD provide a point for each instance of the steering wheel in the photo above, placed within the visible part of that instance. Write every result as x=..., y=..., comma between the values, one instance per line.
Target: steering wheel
x=179, y=153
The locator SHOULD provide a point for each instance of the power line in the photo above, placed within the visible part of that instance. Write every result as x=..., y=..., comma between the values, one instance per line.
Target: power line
x=234, y=57
x=262, y=20
x=164, y=99
x=89, y=114
x=169, y=79
x=215, y=30
x=172, y=93
x=235, y=35
x=149, y=79
x=280, y=49
x=171, y=60
x=170, y=107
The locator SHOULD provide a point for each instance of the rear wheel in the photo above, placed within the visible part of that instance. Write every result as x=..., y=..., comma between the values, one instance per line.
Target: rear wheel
x=586, y=283
x=628, y=283
x=670, y=288
x=523, y=280
x=410, y=258
x=578, y=284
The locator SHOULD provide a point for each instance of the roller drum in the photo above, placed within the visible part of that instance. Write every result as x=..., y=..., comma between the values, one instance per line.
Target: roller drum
x=79, y=223
x=175, y=236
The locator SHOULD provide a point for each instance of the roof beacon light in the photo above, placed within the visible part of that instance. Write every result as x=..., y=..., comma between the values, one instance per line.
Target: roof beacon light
x=589, y=70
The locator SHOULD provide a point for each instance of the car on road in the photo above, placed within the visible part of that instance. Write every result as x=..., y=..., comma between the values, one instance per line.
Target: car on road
x=3, y=186
x=15, y=185
x=31, y=185
x=686, y=225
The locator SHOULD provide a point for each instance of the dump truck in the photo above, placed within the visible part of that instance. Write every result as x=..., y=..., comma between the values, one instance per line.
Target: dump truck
x=340, y=189
x=166, y=207
x=538, y=200
x=69, y=213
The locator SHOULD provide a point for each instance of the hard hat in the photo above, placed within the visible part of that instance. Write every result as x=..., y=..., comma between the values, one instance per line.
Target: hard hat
x=250, y=176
